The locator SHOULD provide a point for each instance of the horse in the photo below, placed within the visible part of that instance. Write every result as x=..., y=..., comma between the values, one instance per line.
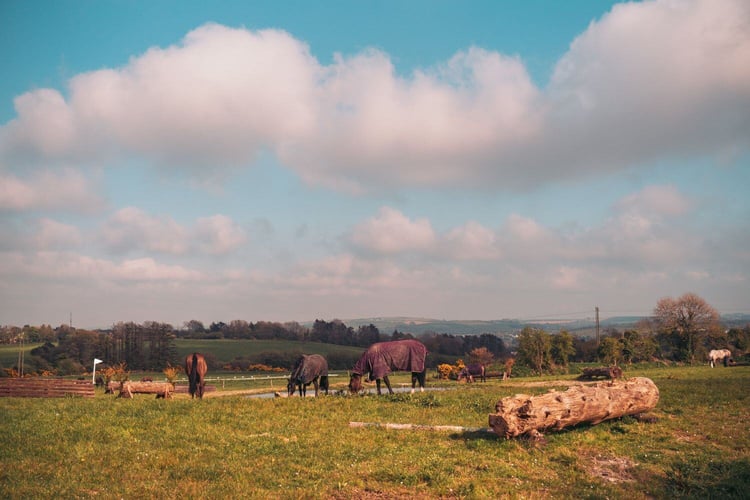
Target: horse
x=308, y=369
x=473, y=370
x=195, y=369
x=382, y=358
x=719, y=355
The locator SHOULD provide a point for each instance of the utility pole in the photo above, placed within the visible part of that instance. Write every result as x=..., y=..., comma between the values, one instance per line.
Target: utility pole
x=597, y=326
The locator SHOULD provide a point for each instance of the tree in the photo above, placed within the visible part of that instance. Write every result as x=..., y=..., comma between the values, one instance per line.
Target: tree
x=637, y=346
x=610, y=350
x=534, y=346
x=481, y=355
x=689, y=319
x=562, y=348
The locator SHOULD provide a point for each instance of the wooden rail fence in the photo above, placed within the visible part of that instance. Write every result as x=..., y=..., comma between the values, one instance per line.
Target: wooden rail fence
x=37, y=387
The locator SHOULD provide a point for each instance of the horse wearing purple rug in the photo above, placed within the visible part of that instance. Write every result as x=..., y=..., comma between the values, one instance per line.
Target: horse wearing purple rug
x=308, y=369
x=380, y=359
x=471, y=371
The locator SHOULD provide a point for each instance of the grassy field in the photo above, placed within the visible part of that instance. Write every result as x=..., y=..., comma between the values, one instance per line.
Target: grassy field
x=229, y=445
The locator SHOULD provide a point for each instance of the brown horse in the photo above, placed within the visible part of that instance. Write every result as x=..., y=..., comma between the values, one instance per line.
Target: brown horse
x=382, y=358
x=195, y=369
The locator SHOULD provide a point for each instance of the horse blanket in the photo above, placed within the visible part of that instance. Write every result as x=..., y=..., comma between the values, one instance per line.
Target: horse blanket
x=380, y=359
x=471, y=371
x=307, y=367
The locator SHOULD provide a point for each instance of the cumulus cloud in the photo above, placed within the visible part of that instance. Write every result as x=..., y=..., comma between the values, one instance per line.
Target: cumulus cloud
x=52, y=234
x=66, y=190
x=83, y=268
x=131, y=229
x=218, y=234
x=648, y=80
x=391, y=232
x=643, y=229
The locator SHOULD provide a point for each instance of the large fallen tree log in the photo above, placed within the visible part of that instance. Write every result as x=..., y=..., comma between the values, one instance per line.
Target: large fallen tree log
x=524, y=414
x=161, y=389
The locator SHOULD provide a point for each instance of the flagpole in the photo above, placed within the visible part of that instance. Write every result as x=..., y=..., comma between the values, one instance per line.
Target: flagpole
x=93, y=372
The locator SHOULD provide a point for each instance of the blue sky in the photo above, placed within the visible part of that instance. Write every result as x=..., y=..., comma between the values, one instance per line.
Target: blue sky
x=289, y=161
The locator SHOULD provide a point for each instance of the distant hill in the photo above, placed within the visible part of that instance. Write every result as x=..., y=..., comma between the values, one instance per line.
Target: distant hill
x=509, y=327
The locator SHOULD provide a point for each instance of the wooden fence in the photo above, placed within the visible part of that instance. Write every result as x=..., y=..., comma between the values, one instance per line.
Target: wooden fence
x=37, y=387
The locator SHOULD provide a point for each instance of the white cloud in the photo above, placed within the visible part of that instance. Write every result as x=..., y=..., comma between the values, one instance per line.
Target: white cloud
x=218, y=234
x=78, y=268
x=655, y=200
x=131, y=228
x=646, y=81
x=66, y=190
x=391, y=232
x=52, y=234
x=472, y=241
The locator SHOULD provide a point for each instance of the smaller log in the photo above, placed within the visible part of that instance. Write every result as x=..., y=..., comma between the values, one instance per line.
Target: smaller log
x=161, y=389
x=112, y=386
x=419, y=427
x=610, y=372
x=524, y=414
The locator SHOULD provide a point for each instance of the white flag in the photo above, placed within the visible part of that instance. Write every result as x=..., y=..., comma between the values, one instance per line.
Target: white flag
x=97, y=361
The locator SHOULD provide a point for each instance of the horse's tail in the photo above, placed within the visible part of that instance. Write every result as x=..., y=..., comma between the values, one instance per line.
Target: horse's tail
x=324, y=382
x=194, y=374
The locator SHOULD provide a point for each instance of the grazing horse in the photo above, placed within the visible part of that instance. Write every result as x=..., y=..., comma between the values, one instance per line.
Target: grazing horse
x=382, y=358
x=196, y=368
x=719, y=355
x=471, y=371
x=308, y=369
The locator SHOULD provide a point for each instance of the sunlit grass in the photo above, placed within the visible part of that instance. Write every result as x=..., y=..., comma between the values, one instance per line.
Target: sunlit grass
x=292, y=447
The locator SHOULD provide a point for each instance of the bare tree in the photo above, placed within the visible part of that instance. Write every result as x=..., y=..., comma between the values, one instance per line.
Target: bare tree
x=690, y=318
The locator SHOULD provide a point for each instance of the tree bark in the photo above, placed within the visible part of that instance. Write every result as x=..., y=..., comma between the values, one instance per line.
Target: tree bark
x=524, y=414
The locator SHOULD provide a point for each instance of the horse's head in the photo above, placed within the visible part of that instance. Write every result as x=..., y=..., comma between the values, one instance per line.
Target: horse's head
x=355, y=383
x=290, y=386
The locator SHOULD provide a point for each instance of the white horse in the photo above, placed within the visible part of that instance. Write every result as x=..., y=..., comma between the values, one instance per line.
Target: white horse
x=718, y=355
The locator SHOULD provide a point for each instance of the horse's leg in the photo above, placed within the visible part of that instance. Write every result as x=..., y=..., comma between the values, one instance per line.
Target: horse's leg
x=377, y=383
x=387, y=384
x=315, y=384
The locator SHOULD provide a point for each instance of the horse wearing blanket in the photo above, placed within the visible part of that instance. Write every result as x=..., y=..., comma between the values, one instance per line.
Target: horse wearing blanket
x=380, y=359
x=471, y=371
x=719, y=355
x=308, y=369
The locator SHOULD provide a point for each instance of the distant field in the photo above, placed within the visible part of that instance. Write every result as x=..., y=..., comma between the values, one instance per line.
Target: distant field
x=223, y=350
x=9, y=353
x=227, y=350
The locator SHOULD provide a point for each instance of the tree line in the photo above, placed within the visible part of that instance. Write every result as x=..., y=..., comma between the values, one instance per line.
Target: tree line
x=681, y=330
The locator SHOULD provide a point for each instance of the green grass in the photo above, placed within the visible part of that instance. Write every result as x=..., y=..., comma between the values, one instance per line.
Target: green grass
x=231, y=446
x=9, y=353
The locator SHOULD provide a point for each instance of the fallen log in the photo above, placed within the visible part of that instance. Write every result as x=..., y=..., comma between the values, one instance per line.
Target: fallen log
x=610, y=372
x=419, y=427
x=112, y=386
x=161, y=389
x=524, y=414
